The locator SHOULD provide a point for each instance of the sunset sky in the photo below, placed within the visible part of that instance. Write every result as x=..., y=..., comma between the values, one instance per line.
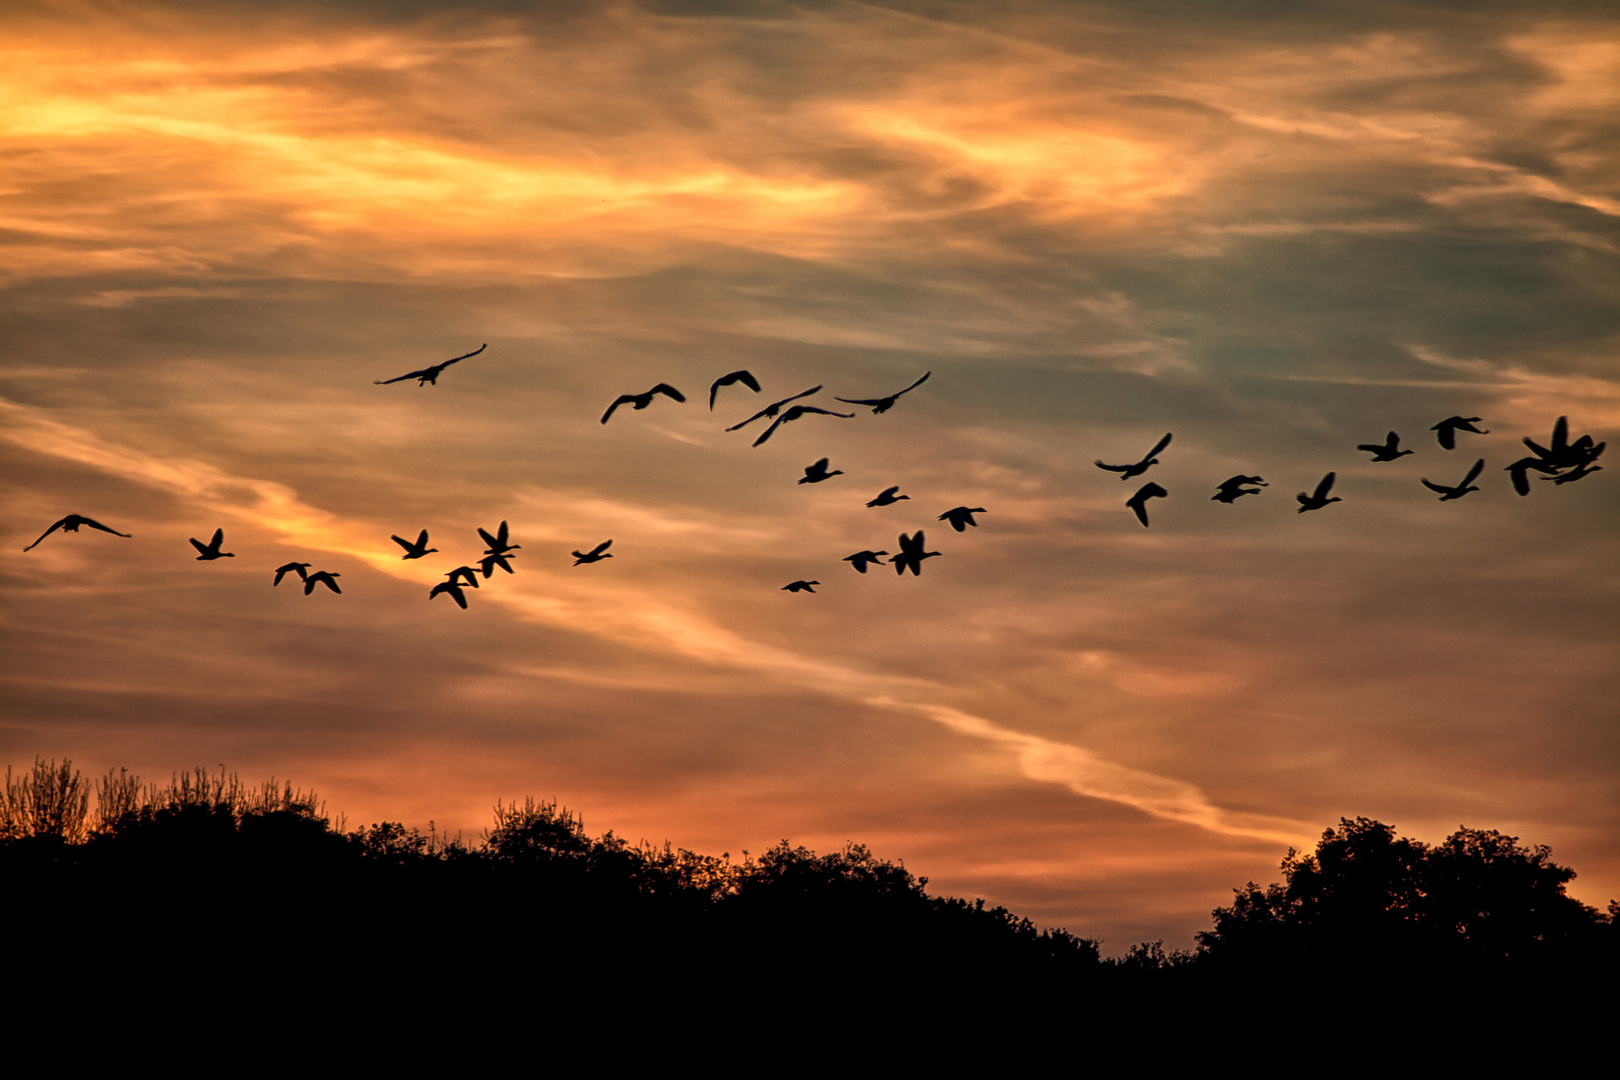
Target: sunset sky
x=1275, y=230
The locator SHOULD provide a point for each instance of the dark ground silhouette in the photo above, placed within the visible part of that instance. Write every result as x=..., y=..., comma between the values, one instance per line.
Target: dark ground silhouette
x=204, y=874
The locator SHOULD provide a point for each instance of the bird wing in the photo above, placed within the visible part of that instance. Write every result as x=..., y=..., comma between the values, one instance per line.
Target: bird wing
x=813, y=390
x=1138, y=504
x=1112, y=468
x=197, y=544
x=774, y=425
x=460, y=358
x=1521, y=477
x=219, y=538
x=421, y=539
x=489, y=541
x=1447, y=435
x=622, y=399
x=916, y=384
x=1164, y=442
x=603, y=546
x=406, y=544
x=1437, y=487
x=874, y=402
x=1372, y=448
x=1560, y=437
x=1473, y=474
x=820, y=465
x=1325, y=486
x=668, y=391
x=402, y=378
x=802, y=409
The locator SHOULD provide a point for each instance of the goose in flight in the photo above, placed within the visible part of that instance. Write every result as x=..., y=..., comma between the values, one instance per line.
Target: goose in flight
x=1389, y=450
x=497, y=544
x=641, y=401
x=429, y=374
x=416, y=550
x=887, y=497
x=468, y=572
x=815, y=474
x=489, y=562
x=800, y=586
x=744, y=377
x=321, y=577
x=1126, y=472
x=290, y=568
x=911, y=554
x=1563, y=454
x=1232, y=488
x=1449, y=493
x=1446, y=430
x=962, y=516
x=860, y=559
x=1586, y=468
x=1318, y=498
x=453, y=590
x=596, y=554
x=884, y=404
x=210, y=551
x=793, y=414
x=71, y=523
x=1520, y=472
x=1138, y=502
x=774, y=407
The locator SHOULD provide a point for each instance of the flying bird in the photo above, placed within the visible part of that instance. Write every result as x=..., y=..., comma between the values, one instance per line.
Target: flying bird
x=1318, y=498
x=641, y=401
x=800, y=586
x=321, y=577
x=744, y=377
x=210, y=551
x=860, y=559
x=596, y=554
x=497, y=544
x=1232, y=488
x=1388, y=450
x=290, y=568
x=489, y=562
x=911, y=554
x=468, y=572
x=887, y=497
x=815, y=474
x=962, y=516
x=1584, y=469
x=416, y=550
x=773, y=408
x=884, y=404
x=1519, y=471
x=1449, y=493
x=1446, y=430
x=429, y=374
x=1138, y=502
x=794, y=414
x=1126, y=472
x=453, y=590
x=71, y=523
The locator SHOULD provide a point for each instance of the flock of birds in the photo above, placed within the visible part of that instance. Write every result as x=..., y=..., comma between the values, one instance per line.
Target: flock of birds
x=1561, y=461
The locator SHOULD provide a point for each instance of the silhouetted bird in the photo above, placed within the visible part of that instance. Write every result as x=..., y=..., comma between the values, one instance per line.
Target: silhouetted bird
x=497, y=544
x=1586, y=469
x=911, y=554
x=962, y=516
x=468, y=572
x=1388, y=451
x=416, y=550
x=641, y=401
x=744, y=377
x=1563, y=454
x=1318, y=498
x=1232, y=489
x=860, y=559
x=429, y=374
x=290, y=568
x=596, y=553
x=794, y=414
x=884, y=404
x=321, y=577
x=489, y=562
x=1519, y=471
x=1138, y=502
x=210, y=551
x=815, y=474
x=71, y=523
x=451, y=589
x=1128, y=471
x=800, y=586
x=887, y=497
x=1449, y=493
x=1447, y=429
x=773, y=408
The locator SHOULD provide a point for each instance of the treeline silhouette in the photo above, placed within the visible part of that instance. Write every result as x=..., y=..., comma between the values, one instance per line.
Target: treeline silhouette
x=206, y=870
